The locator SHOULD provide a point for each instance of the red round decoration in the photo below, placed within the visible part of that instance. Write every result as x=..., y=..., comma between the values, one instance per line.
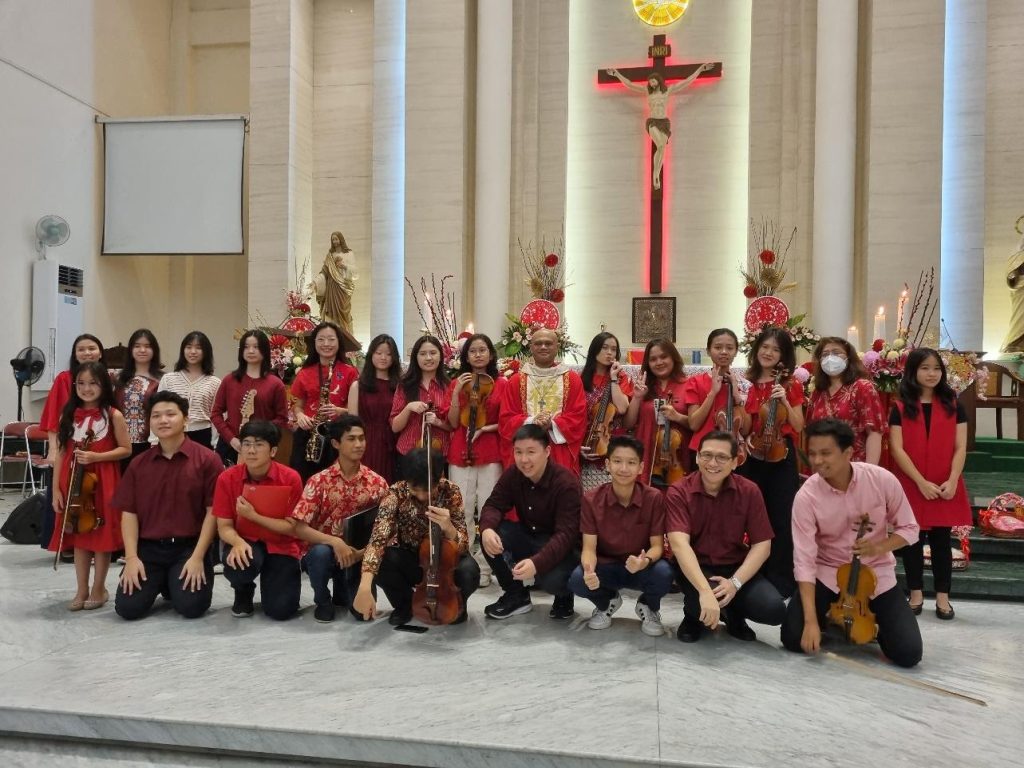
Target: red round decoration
x=767, y=257
x=750, y=291
x=558, y=295
x=878, y=345
x=541, y=312
x=766, y=310
x=298, y=325
x=551, y=260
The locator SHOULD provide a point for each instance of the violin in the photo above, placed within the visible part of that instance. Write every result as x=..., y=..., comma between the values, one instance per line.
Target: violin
x=857, y=583
x=595, y=446
x=437, y=600
x=729, y=420
x=80, y=513
x=426, y=440
x=666, y=468
x=768, y=443
x=474, y=417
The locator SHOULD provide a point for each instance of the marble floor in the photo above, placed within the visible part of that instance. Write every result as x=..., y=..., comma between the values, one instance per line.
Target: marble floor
x=523, y=692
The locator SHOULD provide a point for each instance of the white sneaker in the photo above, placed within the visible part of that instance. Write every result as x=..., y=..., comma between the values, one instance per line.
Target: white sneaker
x=603, y=619
x=650, y=620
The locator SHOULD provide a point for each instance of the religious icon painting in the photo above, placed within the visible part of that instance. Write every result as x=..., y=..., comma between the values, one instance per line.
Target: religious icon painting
x=654, y=318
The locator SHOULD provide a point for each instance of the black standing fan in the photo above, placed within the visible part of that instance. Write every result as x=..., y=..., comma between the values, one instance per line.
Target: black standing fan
x=28, y=367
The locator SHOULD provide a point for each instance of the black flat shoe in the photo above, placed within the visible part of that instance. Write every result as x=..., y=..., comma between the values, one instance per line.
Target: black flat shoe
x=945, y=615
x=916, y=609
x=689, y=631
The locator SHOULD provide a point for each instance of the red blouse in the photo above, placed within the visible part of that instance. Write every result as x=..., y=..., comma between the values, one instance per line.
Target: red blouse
x=306, y=386
x=760, y=392
x=410, y=436
x=486, y=448
x=646, y=430
x=858, y=404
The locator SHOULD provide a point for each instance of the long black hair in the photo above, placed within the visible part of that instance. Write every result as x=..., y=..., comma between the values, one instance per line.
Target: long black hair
x=910, y=390
x=590, y=367
x=410, y=380
x=107, y=401
x=312, y=357
x=787, y=353
x=200, y=338
x=264, y=345
x=492, y=364
x=128, y=372
x=368, y=376
x=73, y=365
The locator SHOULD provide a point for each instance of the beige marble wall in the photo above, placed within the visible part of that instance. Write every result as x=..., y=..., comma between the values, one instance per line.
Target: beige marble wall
x=342, y=140
x=439, y=152
x=901, y=154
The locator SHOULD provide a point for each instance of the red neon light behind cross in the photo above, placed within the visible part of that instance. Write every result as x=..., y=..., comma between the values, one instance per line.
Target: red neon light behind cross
x=658, y=52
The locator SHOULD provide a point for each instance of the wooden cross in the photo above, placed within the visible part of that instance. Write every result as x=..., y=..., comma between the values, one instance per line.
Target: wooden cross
x=658, y=52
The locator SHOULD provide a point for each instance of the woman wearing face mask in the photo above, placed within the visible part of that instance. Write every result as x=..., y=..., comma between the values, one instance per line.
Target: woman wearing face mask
x=843, y=390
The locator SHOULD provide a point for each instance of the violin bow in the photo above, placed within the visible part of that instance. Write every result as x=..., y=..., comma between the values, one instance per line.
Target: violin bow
x=885, y=674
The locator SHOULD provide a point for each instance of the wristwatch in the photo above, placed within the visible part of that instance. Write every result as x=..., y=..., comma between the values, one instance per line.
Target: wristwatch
x=736, y=583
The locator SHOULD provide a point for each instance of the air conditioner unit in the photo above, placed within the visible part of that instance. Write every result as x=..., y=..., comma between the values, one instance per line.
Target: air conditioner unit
x=57, y=315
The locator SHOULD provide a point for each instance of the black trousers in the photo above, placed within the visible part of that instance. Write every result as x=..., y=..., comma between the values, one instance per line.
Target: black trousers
x=227, y=454
x=280, y=581
x=520, y=543
x=758, y=600
x=298, y=461
x=779, y=482
x=899, y=637
x=163, y=560
x=202, y=436
x=940, y=540
x=400, y=572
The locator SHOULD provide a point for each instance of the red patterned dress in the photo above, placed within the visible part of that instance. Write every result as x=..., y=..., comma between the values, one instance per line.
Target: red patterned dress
x=858, y=404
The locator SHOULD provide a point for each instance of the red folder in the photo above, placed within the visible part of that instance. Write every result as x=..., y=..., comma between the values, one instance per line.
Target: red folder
x=269, y=501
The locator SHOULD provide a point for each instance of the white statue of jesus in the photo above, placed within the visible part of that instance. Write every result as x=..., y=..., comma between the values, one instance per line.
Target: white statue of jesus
x=659, y=127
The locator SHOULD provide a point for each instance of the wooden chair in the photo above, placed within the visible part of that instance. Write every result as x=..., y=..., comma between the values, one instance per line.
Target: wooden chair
x=1005, y=390
x=12, y=451
x=36, y=447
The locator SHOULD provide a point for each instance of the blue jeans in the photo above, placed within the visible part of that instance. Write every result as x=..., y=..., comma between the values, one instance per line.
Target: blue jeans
x=322, y=568
x=654, y=582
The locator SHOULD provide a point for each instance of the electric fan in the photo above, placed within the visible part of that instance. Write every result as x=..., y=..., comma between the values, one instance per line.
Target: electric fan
x=28, y=367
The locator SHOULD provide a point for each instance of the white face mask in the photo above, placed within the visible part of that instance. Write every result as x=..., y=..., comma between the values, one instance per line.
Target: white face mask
x=833, y=365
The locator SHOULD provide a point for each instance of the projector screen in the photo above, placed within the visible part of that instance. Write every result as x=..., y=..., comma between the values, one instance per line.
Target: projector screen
x=173, y=185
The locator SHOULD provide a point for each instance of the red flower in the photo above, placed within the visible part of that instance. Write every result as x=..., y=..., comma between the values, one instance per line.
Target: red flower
x=551, y=260
x=878, y=344
x=767, y=257
x=304, y=307
x=277, y=340
x=808, y=366
x=558, y=295
x=465, y=335
x=750, y=291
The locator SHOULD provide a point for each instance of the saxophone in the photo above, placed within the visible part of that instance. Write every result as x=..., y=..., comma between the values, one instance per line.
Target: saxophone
x=318, y=435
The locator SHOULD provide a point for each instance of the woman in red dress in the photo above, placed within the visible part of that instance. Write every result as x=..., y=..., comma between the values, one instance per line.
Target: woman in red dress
x=370, y=398
x=661, y=378
x=421, y=396
x=928, y=441
x=135, y=384
x=707, y=393
x=603, y=375
x=843, y=390
x=773, y=351
x=90, y=407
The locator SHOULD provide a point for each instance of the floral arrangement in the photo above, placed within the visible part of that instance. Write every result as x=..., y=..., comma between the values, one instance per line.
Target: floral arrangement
x=963, y=369
x=765, y=270
x=885, y=363
x=437, y=311
x=287, y=351
x=508, y=366
x=545, y=270
x=515, y=340
x=803, y=336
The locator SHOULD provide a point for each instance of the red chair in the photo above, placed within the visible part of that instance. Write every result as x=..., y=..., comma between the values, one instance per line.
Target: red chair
x=38, y=460
x=12, y=452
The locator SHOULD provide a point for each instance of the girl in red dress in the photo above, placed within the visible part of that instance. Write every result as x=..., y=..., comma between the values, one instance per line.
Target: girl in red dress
x=843, y=390
x=370, y=399
x=928, y=441
x=135, y=384
x=91, y=407
x=661, y=377
x=706, y=393
x=421, y=396
x=773, y=350
x=324, y=367
x=476, y=475
x=603, y=374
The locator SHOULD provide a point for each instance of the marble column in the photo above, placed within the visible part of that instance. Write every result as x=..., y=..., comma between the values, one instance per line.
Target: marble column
x=388, y=206
x=961, y=303
x=835, y=149
x=493, y=193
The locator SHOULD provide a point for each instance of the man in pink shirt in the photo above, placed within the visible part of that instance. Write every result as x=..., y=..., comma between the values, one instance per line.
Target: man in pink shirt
x=827, y=512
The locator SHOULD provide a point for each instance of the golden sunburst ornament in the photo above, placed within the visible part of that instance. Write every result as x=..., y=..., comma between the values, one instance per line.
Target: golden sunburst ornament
x=659, y=13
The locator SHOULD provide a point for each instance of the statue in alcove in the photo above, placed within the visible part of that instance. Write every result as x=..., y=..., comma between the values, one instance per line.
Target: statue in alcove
x=335, y=284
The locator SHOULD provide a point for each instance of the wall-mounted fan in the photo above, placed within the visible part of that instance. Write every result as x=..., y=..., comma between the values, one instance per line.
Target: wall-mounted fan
x=50, y=231
x=28, y=367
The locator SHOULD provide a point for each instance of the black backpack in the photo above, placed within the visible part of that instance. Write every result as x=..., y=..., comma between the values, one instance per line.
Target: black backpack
x=25, y=523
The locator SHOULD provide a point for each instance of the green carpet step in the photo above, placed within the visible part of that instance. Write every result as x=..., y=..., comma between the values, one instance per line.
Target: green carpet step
x=992, y=548
x=988, y=485
x=978, y=461
x=984, y=579
x=998, y=447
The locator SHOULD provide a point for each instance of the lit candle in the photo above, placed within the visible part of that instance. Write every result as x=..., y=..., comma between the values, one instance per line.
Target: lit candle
x=853, y=337
x=880, y=323
x=469, y=329
x=899, y=312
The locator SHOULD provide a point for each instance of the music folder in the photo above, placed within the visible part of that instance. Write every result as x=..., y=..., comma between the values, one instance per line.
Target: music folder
x=270, y=501
x=358, y=527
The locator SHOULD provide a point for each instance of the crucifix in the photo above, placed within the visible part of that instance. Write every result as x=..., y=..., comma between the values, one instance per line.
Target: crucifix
x=655, y=88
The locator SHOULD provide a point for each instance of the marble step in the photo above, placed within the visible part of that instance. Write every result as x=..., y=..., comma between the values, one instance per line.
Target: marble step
x=983, y=579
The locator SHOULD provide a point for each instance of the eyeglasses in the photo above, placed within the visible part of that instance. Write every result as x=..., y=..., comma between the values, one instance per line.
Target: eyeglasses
x=714, y=458
x=248, y=445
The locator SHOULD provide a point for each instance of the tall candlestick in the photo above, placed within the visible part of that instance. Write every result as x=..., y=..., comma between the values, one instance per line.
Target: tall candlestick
x=853, y=336
x=899, y=311
x=880, y=324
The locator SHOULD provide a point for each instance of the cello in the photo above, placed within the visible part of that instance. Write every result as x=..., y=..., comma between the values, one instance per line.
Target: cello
x=666, y=468
x=437, y=599
x=768, y=443
x=595, y=446
x=474, y=417
x=80, y=513
x=857, y=582
x=729, y=420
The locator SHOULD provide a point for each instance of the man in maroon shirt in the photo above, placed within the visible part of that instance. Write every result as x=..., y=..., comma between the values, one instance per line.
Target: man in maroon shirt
x=707, y=515
x=623, y=526
x=542, y=543
x=165, y=499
